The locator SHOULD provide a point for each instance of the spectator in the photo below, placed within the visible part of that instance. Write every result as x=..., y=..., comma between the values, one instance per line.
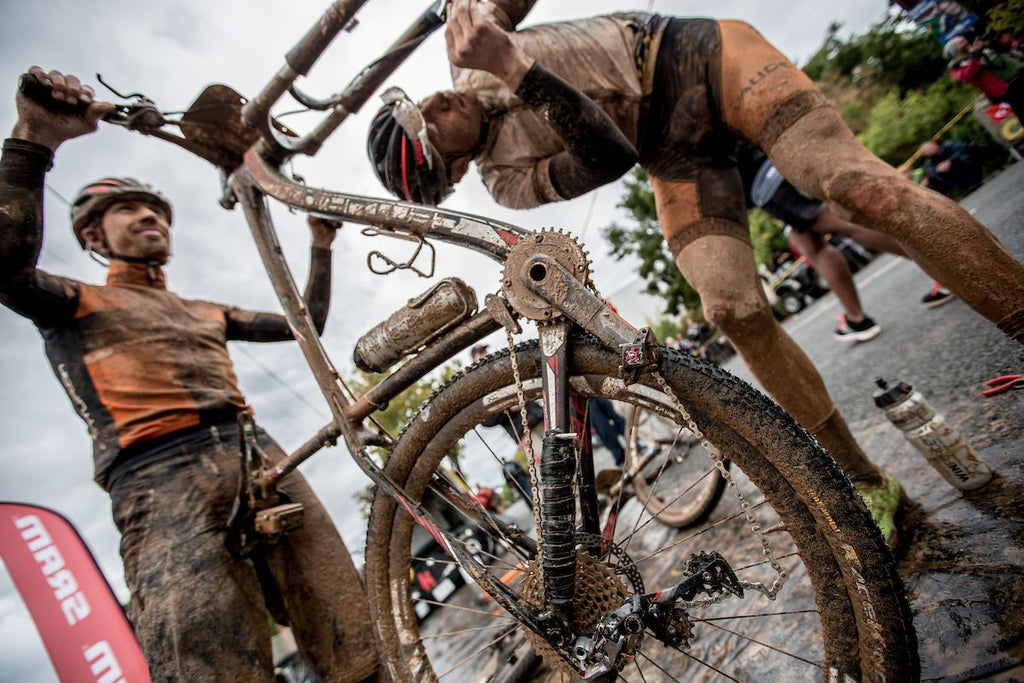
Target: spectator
x=811, y=220
x=951, y=167
x=1000, y=77
x=609, y=427
x=511, y=420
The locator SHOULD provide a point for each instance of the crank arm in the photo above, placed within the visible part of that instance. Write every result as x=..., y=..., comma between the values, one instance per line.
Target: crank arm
x=559, y=287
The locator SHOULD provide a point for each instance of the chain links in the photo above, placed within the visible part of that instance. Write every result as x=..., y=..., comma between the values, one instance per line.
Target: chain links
x=527, y=443
x=716, y=459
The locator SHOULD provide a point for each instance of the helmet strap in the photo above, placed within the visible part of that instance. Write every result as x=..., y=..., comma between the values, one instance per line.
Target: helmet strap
x=96, y=256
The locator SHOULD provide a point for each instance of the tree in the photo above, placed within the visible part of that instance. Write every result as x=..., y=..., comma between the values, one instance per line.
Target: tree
x=890, y=55
x=393, y=417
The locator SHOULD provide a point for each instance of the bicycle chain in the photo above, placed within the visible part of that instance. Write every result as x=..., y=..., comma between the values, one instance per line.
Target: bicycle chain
x=716, y=459
x=527, y=441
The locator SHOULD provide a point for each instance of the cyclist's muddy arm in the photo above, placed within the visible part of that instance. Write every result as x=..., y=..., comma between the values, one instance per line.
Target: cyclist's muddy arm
x=65, y=109
x=28, y=291
x=596, y=153
x=258, y=326
x=510, y=13
x=507, y=13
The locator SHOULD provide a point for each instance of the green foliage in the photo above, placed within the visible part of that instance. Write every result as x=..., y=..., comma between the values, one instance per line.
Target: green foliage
x=1005, y=14
x=644, y=240
x=888, y=56
x=767, y=234
x=666, y=327
x=393, y=417
x=897, y=126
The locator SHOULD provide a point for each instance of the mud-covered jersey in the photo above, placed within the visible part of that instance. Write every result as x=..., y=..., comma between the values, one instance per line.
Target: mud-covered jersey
x=138, y=362
x=596, y=55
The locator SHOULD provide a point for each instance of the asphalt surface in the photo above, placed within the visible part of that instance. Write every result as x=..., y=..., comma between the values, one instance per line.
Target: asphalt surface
x=961, y=554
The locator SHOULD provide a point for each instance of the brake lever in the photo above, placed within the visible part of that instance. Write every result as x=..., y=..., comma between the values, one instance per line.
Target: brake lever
x=141, y=115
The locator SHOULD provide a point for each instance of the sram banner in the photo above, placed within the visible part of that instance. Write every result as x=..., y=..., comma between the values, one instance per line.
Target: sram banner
x=78, y=616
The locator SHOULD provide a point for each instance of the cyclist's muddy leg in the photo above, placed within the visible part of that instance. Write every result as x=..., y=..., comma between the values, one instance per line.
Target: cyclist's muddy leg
x=776, y=106
x=320, y=589
x=719, y=263
x=944, y=239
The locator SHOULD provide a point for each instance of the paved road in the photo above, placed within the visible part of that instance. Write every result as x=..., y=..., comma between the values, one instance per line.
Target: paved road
x=963, y=554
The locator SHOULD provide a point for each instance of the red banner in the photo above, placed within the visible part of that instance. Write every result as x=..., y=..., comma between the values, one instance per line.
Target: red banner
x=82, y=625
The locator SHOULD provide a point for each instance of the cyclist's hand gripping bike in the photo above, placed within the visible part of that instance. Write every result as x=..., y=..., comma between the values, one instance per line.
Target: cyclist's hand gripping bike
x=794, y=582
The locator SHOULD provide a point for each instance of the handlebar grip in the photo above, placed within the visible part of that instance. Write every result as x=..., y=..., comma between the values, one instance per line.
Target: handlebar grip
x=33, y=88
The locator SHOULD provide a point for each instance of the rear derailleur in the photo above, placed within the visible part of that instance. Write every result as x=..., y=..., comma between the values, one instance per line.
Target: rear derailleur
x=617, y=637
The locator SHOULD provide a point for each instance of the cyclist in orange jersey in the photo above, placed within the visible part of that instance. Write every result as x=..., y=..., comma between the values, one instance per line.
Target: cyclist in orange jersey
x=149, y=373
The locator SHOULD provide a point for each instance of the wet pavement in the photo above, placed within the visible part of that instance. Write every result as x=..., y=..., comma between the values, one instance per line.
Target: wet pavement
x=962, y=553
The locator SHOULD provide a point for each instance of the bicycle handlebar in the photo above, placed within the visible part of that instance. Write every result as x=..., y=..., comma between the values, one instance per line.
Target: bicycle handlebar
x=298, y=61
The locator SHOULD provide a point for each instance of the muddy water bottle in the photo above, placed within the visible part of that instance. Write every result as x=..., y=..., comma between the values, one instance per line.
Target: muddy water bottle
x=941, y=444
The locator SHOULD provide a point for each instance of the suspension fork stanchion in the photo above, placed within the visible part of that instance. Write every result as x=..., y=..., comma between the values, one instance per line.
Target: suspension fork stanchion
x=557, y=471
x=589, y=510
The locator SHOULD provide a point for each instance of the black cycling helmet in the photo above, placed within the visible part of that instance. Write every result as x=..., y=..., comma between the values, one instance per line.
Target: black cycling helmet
x=94, y=198
x=402, y=156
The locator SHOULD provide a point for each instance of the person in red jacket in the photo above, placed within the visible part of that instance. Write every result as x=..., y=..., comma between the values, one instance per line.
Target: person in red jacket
x=1000, y=77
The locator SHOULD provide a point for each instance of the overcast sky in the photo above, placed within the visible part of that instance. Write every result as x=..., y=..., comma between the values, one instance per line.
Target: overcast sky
x=170, y=51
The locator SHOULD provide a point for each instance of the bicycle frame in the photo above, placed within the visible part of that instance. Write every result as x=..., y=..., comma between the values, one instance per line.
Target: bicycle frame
x=258, y=179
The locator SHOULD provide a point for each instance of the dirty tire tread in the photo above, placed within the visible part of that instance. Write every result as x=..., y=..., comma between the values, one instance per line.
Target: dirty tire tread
x=868, y=631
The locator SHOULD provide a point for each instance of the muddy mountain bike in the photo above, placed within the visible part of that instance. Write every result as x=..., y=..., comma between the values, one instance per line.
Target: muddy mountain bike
x=788, y=579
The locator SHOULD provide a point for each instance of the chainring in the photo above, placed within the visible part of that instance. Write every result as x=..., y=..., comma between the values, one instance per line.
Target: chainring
x=557, y=245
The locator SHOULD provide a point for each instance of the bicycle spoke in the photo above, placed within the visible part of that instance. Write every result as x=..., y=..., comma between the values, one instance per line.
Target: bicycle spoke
x=700, y=661
x=653, y=517
x=656, y=666
x=460, y=608
x=501, y=463
x=751, y=639
x=651, y=489
x=694, y=535
x=461, y=632
x=636, y=665
x=483, y=511
x=755, y=616
x=478, y=651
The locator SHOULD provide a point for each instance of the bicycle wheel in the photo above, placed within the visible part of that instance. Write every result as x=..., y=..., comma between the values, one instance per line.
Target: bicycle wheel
x=672, y=476
x=841, y=614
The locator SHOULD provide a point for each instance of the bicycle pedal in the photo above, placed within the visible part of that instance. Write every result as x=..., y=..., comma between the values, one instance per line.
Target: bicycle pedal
x=279, y=519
